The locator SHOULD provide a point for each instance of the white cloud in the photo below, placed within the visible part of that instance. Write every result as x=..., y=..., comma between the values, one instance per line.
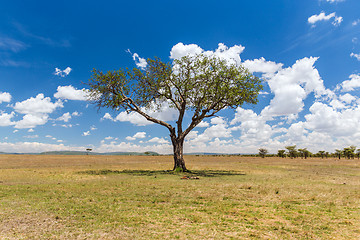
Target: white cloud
x=323, y=17
x=31, y=130
x=107, y=116
x=87, y=133
x=232, y=54
x=352, y=84
x=347, y=98
x=140, y=62
x=136, y=136
x=31, y=121
x=158, y=140
x=263, y=66
x=11, y=44
x=180, y=50
x=36, y=111
x=5, y=97
x=31, y=136
x=65, y=117
x=203, y=124
x=5, y=119
x=93, y=128
x=129, y=138
x=355, y=55
x=253, y=127
x=35, y=147
x=71, y=93
x=62, y=73
x=356, y=22
x=140, y=135
x=165, y=113
x=292, y=85
x=37, y=105
x=323, y=118
x=335, y=1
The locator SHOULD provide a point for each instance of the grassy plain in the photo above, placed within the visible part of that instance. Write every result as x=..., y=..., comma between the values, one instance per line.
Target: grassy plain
x=92, y=197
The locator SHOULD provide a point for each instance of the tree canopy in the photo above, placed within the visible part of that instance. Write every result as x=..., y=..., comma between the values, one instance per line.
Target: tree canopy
x=202, y=85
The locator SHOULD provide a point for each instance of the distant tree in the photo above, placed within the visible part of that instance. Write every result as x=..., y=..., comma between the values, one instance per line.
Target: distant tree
x=199, y=85
x=338, y=153
x=358, y=153
x=321, y=154
x=263, y=152
x=349, y=152
x=304, y=153
x=292, y=152
x=281, y=153
x=88, y=150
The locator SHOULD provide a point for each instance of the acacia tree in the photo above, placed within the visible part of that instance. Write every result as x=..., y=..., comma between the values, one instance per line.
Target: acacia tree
x=281, y=153
x=263, y=152
x=198, y=85
x=292, y=151
x=304, y=153
x=338, y=153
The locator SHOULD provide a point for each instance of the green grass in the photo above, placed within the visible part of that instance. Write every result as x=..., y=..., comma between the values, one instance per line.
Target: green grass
x=136, y=197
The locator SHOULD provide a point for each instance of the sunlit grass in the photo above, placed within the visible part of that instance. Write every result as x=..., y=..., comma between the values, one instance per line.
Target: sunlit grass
x=136, y=197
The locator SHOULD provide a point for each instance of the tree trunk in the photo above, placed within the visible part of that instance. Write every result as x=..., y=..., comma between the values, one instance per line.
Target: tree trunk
x=179, y=163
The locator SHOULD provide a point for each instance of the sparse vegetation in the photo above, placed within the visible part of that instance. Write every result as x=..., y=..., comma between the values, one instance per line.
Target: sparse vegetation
x=137, y=197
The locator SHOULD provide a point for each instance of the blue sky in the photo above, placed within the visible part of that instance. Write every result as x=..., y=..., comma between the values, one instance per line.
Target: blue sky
x=307, y=52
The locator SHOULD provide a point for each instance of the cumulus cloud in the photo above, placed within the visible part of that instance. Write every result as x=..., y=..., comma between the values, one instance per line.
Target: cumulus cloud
x=158, y=140
x=232, y=54
x=262, y=66
x=203, y=124
x=292, y=85
x=71, y=93
x=323, y=118
x=350, y=85
x=5, y=119
x=140, y=62
x=36, y=111
x=62, y=73
x=136, y=136
x=38, y=105
x=108, y=117
x=347, y=98
x=5, y=97
x=87, y=133
x=323, y=17
x=31, y=121
x=165, y=113
x=355, y=55
x=65, y=117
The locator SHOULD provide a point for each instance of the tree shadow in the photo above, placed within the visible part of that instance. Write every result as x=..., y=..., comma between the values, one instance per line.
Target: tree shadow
x=197, y=173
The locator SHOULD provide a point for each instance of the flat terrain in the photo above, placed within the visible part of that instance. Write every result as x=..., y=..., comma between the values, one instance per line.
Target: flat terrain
x=134, y=197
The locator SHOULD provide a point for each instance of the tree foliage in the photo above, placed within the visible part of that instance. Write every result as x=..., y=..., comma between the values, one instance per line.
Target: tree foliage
x=263, y=152
x=200, y=84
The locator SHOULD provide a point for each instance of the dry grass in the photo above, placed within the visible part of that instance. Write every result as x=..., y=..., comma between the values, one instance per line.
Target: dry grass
x=91, y=197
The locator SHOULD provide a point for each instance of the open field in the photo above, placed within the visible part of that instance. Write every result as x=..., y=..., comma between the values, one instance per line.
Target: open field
x=91, y=197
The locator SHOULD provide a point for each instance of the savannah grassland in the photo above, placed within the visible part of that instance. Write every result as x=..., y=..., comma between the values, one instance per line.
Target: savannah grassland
x=134, y=197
